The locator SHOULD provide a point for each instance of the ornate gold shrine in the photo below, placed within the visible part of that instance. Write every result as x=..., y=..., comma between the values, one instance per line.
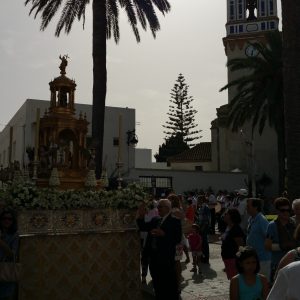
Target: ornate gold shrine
x=62, y=136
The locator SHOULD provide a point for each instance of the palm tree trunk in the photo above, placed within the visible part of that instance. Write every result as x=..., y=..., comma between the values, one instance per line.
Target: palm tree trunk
x=100, y=78
x=291, y=90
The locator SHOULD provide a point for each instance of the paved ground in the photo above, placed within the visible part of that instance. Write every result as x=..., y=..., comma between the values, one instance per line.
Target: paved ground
x=212, y=285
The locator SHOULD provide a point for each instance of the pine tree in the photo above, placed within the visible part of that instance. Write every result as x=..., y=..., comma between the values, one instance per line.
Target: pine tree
x=172, y=146
x=181, y=114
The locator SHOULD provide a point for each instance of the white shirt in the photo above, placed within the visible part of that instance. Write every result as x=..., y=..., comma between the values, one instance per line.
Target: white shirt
x=242, y=208
x=286, y=286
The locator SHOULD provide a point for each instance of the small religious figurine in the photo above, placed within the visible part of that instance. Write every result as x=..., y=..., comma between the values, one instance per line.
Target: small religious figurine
x=63, y=64
x=251, y=6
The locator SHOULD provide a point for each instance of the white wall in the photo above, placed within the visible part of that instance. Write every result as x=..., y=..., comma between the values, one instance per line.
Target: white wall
x=23, y=123
x=189, y=180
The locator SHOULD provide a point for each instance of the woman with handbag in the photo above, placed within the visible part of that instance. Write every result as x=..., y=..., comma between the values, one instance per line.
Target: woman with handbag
x=9, y=243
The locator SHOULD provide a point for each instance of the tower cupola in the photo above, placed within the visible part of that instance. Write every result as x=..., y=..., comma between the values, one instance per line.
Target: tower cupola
x=62, y=90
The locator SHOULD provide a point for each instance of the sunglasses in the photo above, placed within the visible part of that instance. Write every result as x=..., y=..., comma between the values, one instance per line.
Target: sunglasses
x=160, y=206
x=284, y=210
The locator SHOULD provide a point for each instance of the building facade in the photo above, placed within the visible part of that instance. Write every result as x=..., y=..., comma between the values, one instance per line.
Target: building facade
x=248, y=21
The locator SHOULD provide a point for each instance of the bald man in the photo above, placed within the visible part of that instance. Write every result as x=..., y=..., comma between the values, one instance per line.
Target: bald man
x=164, y=234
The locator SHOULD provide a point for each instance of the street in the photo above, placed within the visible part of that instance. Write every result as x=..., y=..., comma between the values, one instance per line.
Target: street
x=211, y=285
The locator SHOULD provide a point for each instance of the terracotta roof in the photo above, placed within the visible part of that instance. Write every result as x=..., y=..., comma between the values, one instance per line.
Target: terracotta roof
x=200, y=152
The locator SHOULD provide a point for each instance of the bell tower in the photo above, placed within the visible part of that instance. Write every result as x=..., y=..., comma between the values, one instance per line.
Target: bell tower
x=251, y=16
x=247, y=21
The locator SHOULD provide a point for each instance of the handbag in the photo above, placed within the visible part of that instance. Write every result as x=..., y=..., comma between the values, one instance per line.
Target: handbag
x=10, y=271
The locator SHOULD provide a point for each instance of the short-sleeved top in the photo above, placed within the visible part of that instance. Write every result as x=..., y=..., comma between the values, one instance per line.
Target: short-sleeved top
x=250, y=292
x=190, y=213
x=286, y=286
x=256, y=235
x=272, y=233
x=195, y=241
x=229, y=246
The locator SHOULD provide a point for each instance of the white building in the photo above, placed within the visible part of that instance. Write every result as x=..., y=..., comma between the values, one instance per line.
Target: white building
x=20, y=133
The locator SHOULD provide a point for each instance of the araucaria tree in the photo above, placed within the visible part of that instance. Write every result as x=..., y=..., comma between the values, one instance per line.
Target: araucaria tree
x=181, y=114
x=105, y=25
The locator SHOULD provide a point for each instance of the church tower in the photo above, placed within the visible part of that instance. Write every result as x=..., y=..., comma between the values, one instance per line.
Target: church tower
x=251, y=16
x=248, y=21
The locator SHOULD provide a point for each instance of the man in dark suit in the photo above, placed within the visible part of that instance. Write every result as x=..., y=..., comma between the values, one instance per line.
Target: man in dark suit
x=164, y=233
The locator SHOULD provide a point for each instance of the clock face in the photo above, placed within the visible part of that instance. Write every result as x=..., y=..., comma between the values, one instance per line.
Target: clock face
x=251, y=51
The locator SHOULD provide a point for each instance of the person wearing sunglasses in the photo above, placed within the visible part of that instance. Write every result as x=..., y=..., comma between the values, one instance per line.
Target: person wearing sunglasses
x=280, y=233
x=9, y=242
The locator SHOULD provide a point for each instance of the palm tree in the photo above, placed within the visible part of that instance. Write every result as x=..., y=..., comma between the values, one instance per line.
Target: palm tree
x=291, y=91
x=105, y=25
x=259, y=96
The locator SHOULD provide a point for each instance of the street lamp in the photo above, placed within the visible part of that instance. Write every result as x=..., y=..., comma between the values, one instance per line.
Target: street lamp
x=251, y=164
x=132, y=138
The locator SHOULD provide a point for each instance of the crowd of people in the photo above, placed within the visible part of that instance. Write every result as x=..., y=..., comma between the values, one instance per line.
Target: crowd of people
x=259, y=256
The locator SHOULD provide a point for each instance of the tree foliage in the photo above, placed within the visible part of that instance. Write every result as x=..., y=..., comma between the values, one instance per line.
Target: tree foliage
x=172, y=146
x=138, y=12
x=181, y=123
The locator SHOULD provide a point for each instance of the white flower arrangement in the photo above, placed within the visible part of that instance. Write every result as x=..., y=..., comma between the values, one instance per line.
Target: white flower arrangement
x=28, y=196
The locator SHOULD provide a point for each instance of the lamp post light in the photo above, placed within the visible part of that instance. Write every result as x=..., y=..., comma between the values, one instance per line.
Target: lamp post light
x=252, y=163
x=132, y=140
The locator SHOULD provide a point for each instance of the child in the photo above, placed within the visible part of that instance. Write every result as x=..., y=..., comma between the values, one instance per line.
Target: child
x=248, y=284
x=195, y=241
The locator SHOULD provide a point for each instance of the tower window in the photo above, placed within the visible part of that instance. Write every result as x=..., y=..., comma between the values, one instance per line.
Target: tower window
x=271, y=5
x=272, y=25
x=241, y=28
x=240, y=9
x=263, y=26
x=251, y=10
x=231, y=29
x=116, y=141
x=262, y=8
x=231, y=11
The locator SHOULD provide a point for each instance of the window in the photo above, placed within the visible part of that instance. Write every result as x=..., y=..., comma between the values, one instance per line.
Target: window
x=271, y=5
x=232, y=14
x=145, y=181
x=231, y=29
x=199, y=168
x=157, y=182
x=241, y=28
x=263, y=26
x=116, y=141
x=262, y=8
x=240, y=9
x=272, y=25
